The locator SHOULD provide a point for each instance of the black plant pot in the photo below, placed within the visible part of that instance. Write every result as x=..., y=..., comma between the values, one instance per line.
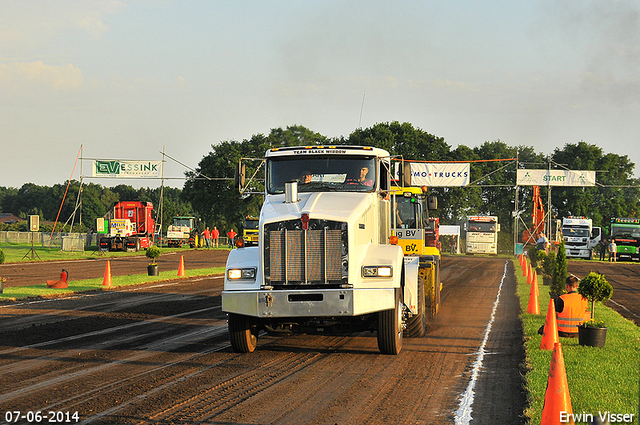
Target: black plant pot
x=152, y=270
x=592, y=337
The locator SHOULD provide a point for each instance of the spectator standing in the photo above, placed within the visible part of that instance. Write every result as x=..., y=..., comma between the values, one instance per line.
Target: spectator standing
x=542, y=242
x=613, y=249
x=232, y=237
x=603, y=249
x=215, y=233
x=207, y=237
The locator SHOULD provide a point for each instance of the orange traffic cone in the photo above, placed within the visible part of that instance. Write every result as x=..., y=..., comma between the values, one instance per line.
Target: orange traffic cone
x=59, y=284
x=557, y=400
x=181, y=267
x=107, y=275
x=533, y=307
x=550, y=334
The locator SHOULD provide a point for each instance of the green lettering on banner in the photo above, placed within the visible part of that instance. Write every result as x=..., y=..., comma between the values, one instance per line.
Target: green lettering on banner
x=107, y=167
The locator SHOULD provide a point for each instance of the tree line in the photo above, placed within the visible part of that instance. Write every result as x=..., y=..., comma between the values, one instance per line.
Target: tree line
x=492, y=191
x=209, y=191
x=95, y=200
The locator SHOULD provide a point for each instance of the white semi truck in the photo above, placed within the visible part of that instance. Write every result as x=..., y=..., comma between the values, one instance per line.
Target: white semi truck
x=326, y=258
x=580, y=237
x=482, y=234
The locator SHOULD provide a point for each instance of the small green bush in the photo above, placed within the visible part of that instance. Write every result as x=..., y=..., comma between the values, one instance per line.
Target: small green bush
x=549, y=263
x=1, y=256
x=153, y=252
x=595, y=287
x=559, y=276
x=533, y=254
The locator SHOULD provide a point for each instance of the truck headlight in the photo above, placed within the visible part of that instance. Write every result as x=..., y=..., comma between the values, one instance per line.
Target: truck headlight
x=377, y=271
x=236, y=274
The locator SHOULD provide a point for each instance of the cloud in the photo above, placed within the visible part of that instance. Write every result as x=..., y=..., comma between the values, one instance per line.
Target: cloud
x=32, y=29
x=23, y=75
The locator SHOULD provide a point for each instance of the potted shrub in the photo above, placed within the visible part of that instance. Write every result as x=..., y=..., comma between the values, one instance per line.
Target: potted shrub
x=548, y=266
x=153, y=252
x=594, y=287
x=559, y=273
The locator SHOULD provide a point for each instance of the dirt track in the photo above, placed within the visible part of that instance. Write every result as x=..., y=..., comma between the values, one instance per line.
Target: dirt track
x=160, y=354
x=36, y=273
x=625, y=279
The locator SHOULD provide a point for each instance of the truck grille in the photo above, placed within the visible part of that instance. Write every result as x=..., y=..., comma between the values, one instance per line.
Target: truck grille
x=316, y=256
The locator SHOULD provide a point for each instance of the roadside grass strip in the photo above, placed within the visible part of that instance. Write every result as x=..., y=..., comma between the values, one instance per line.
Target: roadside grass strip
x=601, y=380
x=42, y=291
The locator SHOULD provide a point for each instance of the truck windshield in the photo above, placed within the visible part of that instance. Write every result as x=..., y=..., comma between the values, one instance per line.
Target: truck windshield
x=629, y=232
x=322, y=174
x=575, y=232
x=187, y=222
x=481, y=226
x=407, y=213
x=251, y=224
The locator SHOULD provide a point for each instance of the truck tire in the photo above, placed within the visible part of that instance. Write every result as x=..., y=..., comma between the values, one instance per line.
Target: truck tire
x=390, y=328
x=417, y=324
x=243, y=333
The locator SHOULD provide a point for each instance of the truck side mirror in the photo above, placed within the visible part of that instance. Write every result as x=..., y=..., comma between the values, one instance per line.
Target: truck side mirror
x=432, y=203
x=239, y=176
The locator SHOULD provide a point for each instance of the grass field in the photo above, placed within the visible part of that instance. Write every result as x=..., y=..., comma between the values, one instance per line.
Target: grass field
x=600, y=379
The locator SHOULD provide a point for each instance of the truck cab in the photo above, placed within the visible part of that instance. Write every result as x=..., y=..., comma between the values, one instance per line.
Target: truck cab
x=580, y=237
x=250, y=233
x=324, y=258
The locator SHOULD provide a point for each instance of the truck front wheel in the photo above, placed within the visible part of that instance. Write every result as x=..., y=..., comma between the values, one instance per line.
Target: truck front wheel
x=390, y=328
x=243, y=333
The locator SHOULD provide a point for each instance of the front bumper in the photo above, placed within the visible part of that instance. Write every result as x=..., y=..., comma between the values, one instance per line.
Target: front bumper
x=308, y=303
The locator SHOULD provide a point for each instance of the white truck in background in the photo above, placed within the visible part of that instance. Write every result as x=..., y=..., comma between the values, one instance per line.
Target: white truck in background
x=580, y=237
x=482, y=234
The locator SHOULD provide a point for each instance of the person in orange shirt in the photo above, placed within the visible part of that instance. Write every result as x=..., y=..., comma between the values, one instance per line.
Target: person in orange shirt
x=571, y=309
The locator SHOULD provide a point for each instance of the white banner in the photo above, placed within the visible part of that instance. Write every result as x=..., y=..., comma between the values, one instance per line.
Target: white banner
x=126, y=169
x=443, y=175
x=555, y=178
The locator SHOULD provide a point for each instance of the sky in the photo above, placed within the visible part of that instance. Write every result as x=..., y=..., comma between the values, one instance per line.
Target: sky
x=127, y=79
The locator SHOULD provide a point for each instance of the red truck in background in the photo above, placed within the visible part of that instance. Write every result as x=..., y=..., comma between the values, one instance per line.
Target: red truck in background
x=432, y=233
x=131, y=228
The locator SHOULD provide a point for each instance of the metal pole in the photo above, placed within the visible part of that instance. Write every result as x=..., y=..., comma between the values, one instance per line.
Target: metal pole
x=515, y=211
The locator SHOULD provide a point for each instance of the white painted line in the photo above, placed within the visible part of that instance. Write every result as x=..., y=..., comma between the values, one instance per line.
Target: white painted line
x=628, y=311
x=463, y=414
